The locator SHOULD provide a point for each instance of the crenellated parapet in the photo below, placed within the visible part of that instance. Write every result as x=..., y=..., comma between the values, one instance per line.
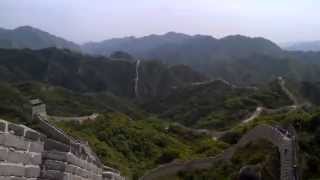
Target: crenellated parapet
x=21, y=151
x=48, y=153
x=65, y=157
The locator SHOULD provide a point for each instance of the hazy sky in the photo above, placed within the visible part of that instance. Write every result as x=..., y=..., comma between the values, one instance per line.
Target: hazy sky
x=96, y=20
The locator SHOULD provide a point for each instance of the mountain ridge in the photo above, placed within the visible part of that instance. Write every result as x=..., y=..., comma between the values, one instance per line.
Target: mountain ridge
x=33, y=38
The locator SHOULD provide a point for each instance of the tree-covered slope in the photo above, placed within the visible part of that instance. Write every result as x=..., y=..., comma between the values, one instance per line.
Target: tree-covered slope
x=84, y=73
x=216, y=104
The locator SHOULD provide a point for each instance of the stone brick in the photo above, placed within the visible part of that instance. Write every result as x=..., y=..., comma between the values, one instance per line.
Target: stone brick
x=3, y=154
x=32, y=135
x=71, y=169
x=53, y=133
x=18, y=130
x=37, y=147
x=33, y=159
x=2, y=126
x=32, y=172
x=11, y=170
x=51, y=145
x=54, y=175
x=5, y=178
x=55, y=155
x=16, y=157
x=14, y=141
x=72, y=159
x=54, y=165
x=18, y=178
x=78, y=171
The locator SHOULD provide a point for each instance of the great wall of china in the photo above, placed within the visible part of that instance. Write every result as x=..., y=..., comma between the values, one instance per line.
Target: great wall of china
x=50, y=154
x=283, y=139
x=47, y=154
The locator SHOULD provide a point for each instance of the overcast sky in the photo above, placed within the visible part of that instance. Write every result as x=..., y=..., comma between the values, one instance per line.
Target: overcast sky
x=96, y=20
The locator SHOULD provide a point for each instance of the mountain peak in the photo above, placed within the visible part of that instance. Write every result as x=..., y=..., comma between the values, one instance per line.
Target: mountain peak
x=34, y=38
x=26, y=28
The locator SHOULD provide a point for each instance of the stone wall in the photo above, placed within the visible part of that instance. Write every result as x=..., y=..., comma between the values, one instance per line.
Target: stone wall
x=67, y=158
x=21, y=151
x=26, y=154
x=272, y=134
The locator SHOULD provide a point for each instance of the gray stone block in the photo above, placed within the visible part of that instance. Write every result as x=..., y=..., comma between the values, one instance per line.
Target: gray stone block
x=16, y=157
x=54, y=155
x=37, y=147
x=11, y=170
x=78, y=171
x=75, y=177
x=32, y=135
x=55, y=165
x=71, y=169
x=53, y=133
x=18, y=178
x=53, y=175
x=3, y=154
x=15, y=142
x=33, y=159
x=2, y=126
x=51, y=145
x=4, y=178
x=18, y=130
x=75, y=148
x=72, y=159
x=32, y=172
x=2, y=139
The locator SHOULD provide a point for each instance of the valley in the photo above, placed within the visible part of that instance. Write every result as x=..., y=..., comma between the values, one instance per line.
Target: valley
x=170, y=106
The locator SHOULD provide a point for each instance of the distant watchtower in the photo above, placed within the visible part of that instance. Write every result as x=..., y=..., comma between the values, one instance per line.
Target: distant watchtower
x=38, y=107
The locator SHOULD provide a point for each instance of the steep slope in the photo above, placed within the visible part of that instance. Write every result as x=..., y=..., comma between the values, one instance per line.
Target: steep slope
x=154, y=45
x=216, y=104
x=132, y=44
x=90, y=74
x=157, y=79
x=259, y=69
x=32, y=38
x=202, y=50
x=60, y=102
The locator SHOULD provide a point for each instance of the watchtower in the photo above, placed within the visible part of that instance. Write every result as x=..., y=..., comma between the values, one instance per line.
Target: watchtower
x=38, y=107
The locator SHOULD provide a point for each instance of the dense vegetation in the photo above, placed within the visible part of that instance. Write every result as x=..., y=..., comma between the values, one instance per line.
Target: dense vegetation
x=135, y=146
x=216, y=104
x=83, y=73
x=135, y=135
x=263, y=157
x=124, y=136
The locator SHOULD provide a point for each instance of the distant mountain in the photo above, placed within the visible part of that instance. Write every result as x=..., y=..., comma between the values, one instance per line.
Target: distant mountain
x=153, y=45
x=32, y=38
x=132, y=44
x=303, y=46
x=198, y=51
x=84, y=73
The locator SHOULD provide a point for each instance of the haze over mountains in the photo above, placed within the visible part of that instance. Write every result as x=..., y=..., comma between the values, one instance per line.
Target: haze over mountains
x=184, y=83
x=238, y=59
x=303, y=46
